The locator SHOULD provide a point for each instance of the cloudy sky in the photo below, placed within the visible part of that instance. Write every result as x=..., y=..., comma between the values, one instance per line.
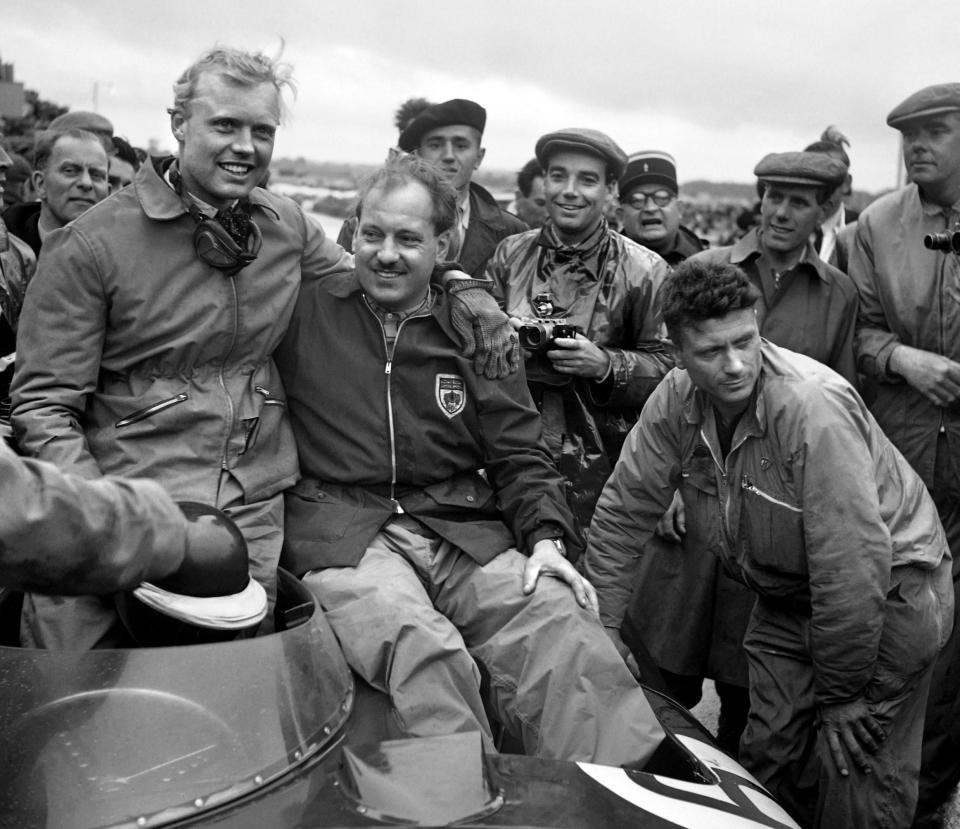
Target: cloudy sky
x=717, y=84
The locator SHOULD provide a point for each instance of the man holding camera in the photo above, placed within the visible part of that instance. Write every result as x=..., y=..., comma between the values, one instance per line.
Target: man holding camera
x=908, y=348
x=590, y=386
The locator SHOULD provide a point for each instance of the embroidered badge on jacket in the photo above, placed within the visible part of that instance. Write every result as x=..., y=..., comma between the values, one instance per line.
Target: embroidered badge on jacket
x=451, y=394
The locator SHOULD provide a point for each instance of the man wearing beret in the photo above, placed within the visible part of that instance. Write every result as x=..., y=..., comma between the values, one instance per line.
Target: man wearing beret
x=649, y=211
x=807, y=306
x=823, y=519
x=908, y=348
x=589, y=387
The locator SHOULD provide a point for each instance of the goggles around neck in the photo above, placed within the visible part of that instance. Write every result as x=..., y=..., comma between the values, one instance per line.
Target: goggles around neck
x=217, y=248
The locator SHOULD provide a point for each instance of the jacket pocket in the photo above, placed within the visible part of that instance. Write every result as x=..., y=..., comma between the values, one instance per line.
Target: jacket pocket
x=771, y=531
x=151, y=410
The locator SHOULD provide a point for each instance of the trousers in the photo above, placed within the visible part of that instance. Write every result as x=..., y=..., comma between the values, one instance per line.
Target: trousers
x=417, y=616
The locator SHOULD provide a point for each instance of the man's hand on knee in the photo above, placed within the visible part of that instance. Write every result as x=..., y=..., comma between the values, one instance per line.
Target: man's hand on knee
x=849, y=728
x=547, y=560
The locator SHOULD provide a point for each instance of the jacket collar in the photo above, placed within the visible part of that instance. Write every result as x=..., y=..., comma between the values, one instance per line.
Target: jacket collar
x=697, y=408
x=747, y=248
x=160, y=203
x=484, y=208
x=346, y=285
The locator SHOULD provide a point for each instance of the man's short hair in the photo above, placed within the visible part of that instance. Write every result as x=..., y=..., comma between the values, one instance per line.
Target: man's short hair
x=126, y=152
x=527, y=174
x=240, y=68
x=401, y=169
x=48, y=139
x=698, y=290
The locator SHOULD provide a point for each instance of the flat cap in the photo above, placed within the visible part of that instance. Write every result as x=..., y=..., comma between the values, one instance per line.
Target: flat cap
x=455, y=111
x=649, y=167
x=583, y=140
x=812, y=169
x=931, y=100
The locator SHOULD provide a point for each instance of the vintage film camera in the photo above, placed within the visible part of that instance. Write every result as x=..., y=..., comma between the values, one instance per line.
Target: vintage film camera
x=537, y=335
x=947, y=240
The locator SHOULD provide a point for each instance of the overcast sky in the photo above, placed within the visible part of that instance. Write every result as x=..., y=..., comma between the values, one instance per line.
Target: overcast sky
x=717, y=84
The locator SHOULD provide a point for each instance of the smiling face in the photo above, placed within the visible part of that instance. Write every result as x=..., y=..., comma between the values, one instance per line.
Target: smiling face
x=789, y=213
x=577, y=192
x=456, y=150
x=931, y=154
x=396, y=246
x=73, y=180
x=647, y=222
x=226, y=138
x=722, y=357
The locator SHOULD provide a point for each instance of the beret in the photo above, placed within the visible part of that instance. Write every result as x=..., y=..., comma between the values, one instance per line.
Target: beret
x=582, y=140
x=812, y=169
x=455, y=111
x=650, y=167
x=931, y=100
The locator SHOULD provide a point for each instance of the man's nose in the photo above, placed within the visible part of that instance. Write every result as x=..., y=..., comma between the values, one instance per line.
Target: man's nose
x=243, y=142
x=85, y=182
x=387, y=254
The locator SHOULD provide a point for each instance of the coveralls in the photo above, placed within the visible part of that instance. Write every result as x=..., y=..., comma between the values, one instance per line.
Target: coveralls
x=824, y=519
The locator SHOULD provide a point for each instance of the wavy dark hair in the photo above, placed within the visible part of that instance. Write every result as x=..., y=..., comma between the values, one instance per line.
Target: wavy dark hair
x=699, y=290
x=402, y=168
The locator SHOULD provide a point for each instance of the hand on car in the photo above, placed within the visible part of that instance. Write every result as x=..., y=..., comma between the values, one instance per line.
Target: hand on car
x=546, y=560
x=849, y=728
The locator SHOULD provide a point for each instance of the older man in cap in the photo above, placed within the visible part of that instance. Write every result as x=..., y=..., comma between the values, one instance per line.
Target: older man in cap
x=826, y=523
x=588, y=385
x=908, y=348
x=687, y=612
x=71, y=175
x=649, y=211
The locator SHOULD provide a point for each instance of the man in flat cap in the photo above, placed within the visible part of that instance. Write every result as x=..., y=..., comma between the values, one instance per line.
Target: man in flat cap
x=649, y=211
x=589, y=387
x=687, y=611
x=826, y=523
x=908, y=348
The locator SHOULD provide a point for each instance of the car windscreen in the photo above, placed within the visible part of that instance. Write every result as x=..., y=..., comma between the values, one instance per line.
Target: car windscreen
x=143, y=737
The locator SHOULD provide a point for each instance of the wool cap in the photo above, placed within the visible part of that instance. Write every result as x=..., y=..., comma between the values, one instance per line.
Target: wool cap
x=812, y=169
x=931, y=100
x=649, y=167
x=580, y=139
x=455, y=111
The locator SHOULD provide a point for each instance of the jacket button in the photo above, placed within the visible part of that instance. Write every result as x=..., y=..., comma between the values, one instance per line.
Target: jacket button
x=471, y=499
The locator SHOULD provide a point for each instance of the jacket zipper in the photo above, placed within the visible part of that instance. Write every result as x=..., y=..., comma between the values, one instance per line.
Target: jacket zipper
x=749, y=486
x=149, y=411
x=725, y=512
x=268, y=400
x=223, y=386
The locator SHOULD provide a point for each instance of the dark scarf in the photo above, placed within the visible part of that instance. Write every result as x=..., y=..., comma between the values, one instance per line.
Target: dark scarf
x=235, y=219
x=561, y=268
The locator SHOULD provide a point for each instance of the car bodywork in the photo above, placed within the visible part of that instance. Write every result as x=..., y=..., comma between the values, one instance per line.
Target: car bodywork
x=275, y=731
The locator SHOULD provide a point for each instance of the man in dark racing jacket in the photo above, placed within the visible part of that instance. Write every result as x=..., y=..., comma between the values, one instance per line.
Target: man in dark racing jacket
x=424, y=564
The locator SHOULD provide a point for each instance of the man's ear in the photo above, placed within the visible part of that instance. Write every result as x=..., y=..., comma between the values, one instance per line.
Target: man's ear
x=675, y=350
x=37, y=178
x=443, y=245
x=176, y=125
x=480, y=155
